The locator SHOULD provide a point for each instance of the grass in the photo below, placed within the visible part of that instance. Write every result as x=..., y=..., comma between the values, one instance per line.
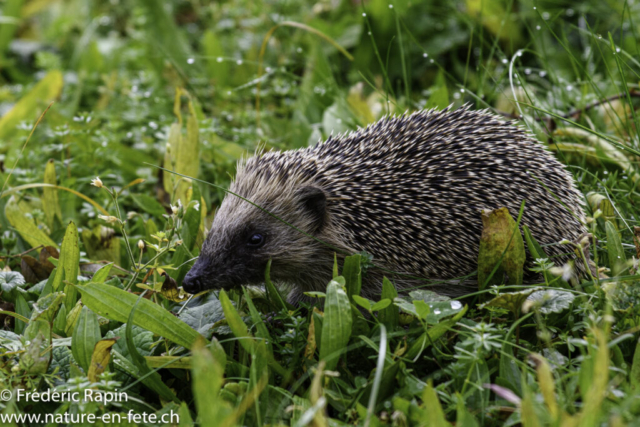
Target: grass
x=91, y=296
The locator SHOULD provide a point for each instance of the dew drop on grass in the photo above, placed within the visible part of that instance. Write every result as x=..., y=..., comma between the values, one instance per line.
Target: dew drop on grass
x=542, y=73
x=424, y=55
x=239, y=62
x=390, y=6
x=534, y=8
x=569, y=87
x=431, y=61
x=527, y=71
x=538, y=27
x=570, y=12
x=456, y=305
x=436, y=311
x=364, y=14
x=219, y=59
x=190, y=61
x=504, y=60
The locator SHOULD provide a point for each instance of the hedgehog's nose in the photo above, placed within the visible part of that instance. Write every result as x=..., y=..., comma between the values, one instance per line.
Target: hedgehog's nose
x=192, y=282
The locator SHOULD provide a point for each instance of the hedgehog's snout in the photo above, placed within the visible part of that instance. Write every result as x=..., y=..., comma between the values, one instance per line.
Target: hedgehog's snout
x=193, y=281
x=200, y=277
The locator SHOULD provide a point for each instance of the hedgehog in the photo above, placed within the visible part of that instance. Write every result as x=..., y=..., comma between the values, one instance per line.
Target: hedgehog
x=408, y=190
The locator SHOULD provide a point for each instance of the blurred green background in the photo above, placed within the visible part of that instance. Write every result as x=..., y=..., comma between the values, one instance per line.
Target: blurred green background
x=114, y=68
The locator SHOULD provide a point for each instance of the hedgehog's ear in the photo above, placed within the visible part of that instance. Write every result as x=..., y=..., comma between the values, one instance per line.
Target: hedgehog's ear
x=314, y=201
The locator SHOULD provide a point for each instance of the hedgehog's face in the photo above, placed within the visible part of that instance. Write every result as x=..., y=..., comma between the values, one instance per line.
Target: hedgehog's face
x=243, y=238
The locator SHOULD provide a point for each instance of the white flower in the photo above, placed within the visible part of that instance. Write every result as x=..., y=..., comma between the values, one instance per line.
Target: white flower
x=566, y=271
x=108, y=219
x=96, y=182
x=140, y=244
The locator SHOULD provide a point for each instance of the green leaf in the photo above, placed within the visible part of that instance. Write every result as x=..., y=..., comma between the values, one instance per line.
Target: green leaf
x=30, y=106
x=116, y=304
x=527, y=408
x=213, y=49
x=85, y=336
x=62, y=358
x=422, y=309
x=10, y=282
x=258, y=379
x=207, y=374
x=390, y=316
x=203, y=317
x=47, y=306
x=191, y=224
x=464, y=418
x=50, y=202
x=439, y=94
x=60, y=321
x=142, y=339
x=501, y=249
x=352, y=274
x=151, y=378
x=69, y=264
x=535, y=249
x=149, y=204
x=272, y=292
x=439, y=306
x=551, y=300
x=101, y=275
x=634, y=374
x=238, y=327
x=183, y=154
x=22, y=308
x=495, y=18
x=261, y=329
x=381, y=305
x=362, y=302
x=336, y=327
x=433, y=414
x=434, y=333
x=185, y=416
x=11, y=13
x=33, y=361
x=29, y=231
x=511, y=301
x=617, y=258
x=101, y=243
x=164, y=38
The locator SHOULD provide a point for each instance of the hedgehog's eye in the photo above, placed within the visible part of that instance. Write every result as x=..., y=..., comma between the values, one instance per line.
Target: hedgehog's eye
x=256, y=240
